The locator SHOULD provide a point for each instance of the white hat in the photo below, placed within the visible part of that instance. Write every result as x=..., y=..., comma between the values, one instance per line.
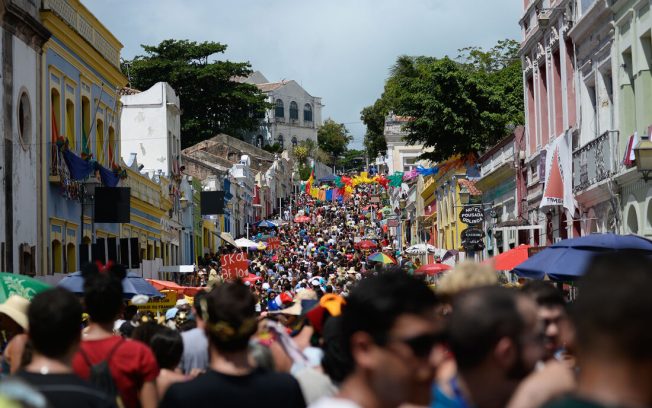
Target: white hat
x=181, y=302
x=16, y=308
x=265, y=286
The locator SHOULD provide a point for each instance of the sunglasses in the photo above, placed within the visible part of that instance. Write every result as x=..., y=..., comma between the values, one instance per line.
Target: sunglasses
x=422, y=345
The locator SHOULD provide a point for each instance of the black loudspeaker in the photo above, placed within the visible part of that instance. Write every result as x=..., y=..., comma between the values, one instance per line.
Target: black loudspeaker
x=212, y=202
x=111, y=204
x=83, y=255
x=124, y=252
x=99, y=250
x=112, y=250
x=134, y=249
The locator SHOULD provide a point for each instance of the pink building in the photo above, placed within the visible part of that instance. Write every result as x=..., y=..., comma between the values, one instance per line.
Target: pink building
x=547, y=56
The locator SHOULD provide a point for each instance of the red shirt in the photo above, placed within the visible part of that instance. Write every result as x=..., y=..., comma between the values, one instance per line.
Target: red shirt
x=132, y=365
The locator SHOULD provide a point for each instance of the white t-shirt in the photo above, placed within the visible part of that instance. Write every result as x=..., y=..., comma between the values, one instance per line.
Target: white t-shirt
x=332, y=402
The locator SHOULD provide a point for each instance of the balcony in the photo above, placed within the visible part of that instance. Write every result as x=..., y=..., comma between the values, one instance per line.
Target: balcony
x=595, y=161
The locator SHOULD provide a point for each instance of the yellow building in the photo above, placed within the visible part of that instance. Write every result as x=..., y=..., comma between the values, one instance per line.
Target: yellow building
x=447, y=192
x=80, y=105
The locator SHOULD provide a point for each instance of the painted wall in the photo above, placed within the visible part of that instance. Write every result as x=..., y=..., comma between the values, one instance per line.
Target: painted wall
x=290, y=129
x=150, y=126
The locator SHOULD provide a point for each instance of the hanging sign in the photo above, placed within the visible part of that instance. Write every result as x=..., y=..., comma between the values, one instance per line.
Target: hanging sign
x=472, y=215
x=234, y=266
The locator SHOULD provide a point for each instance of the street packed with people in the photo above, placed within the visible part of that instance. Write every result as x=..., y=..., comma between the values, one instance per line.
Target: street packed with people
x=314, y=320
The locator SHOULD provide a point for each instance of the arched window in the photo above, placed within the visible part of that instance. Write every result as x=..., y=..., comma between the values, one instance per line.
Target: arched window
x=259, y=141
x=71, y=258
x=70, y=124
x=307, y=113
x=279, y=112
x=57, y=256
x=281, y=141
x=99, y=141
x=294, y=110
x=632, y=220
x=294, y=141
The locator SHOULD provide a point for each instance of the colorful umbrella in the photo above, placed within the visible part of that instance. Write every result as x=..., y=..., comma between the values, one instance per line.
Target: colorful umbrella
x=510, y=259
x=366, y=244
x=132, y=285
x=432, y=269
x=568, y=259
x=265, y=224
x=381, y=257
x=21, y=285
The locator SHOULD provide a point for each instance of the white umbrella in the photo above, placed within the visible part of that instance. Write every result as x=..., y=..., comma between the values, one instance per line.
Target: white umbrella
x=245, y=243
x=420, y=249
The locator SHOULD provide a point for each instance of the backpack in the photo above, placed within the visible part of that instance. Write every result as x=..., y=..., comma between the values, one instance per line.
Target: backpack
x=100, y=374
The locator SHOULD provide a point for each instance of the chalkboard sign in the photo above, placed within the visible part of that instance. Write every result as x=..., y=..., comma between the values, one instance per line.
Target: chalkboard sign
x=472, y=237
x=472, y=215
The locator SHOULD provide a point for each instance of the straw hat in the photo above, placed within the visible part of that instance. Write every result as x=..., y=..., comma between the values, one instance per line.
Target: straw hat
x=16, y=308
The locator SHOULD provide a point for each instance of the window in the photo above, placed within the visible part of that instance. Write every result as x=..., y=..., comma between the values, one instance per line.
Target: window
x=294, y=110
x=24, y=121
x=99, y=141
x=71, y=258
x=632, y=220
x=55, y=103
x=113, y=148
x=279, y=112
x=86, y=123
x=70, y=124
x=259, y=141
x=57, y=256
x=307, y=113
x=280, y=141
x=294, y=141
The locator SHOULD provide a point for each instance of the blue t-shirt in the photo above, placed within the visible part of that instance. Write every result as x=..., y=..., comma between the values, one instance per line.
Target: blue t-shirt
x=441, y=400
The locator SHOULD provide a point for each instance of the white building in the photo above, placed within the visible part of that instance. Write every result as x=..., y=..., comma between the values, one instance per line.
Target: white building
x=21, y=188
x=296, y=114
x=400, y=155
x=151, y=126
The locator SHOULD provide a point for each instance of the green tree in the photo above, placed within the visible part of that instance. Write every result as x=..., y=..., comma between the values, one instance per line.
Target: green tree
x=374, y=118
x=352, y=159
x=211, y=101
x=333, y=138
x=300, y=153
x=457, y=106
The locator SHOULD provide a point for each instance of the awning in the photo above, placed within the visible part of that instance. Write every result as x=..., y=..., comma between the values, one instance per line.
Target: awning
x=226, y=236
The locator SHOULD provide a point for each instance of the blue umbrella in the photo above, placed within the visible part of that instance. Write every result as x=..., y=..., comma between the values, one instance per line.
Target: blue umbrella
x=265, y=224
x=132, y=285
x=568, y=259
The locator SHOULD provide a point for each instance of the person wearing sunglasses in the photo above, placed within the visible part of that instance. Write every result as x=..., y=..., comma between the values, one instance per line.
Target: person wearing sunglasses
x=387, y=332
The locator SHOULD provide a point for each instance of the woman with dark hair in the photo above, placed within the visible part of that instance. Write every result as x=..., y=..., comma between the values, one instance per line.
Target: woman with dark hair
x=132, y=364
x=233, y=380
x=167, y=346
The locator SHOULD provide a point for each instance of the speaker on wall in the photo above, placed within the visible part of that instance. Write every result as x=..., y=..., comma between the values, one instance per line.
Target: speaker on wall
x=112, y=250
x=134, y=249
x=124, y=252
x=111, y=204
x=99, y=250
x=212, y=202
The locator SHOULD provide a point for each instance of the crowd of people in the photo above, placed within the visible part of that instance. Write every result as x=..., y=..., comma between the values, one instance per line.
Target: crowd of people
x=317, y=324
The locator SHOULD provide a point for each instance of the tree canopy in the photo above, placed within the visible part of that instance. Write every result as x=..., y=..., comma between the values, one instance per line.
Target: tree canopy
x=211, y=101
x=333, y=138
x=457, y=106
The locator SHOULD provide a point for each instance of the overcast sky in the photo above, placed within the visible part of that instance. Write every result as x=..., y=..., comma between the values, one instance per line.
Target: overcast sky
x=340, y=50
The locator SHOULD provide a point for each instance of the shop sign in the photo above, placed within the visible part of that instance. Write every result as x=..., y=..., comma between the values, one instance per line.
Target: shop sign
x=472, y=215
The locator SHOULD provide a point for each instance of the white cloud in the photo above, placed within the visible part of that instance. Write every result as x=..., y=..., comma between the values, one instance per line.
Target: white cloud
x=340, y=50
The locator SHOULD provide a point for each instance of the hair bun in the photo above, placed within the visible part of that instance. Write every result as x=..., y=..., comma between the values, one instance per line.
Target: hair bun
x=118, y=271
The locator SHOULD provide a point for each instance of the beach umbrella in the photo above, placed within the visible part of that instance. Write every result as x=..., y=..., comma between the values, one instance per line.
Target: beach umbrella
x=266, y=224
x=381, y=257
x=432, y=269
x=132, y=285
x=420, y=249
x=245, y=243
x=20, y=285
x=510, y=259
x=367, y=244
x=568, y=259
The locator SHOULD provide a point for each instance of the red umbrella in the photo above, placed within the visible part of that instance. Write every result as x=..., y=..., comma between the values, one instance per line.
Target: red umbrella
x=367, y=244
x=302, y=218
x=432, y=269
x=251, y=278
x=510, y=259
